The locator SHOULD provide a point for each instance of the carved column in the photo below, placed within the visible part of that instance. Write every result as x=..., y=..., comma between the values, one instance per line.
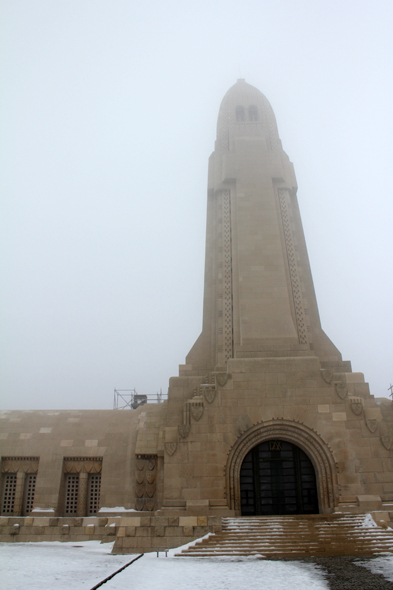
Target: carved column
x=20, y=488
x=82, y=493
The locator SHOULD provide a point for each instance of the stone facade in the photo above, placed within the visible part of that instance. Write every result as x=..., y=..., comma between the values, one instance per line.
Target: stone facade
x=262, y=370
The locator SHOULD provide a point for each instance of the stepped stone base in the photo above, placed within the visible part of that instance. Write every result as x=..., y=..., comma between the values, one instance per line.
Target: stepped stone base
x=295, y=537
x=132, y=534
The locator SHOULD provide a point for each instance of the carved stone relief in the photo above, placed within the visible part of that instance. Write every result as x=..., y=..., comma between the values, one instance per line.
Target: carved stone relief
x=184, y=430
x=340, y=386
x=82, y=465
x=208, y=391
x=372, y=425
x=145, y=487
x=327, y=375
x=170, y=448
x=221, y=378
x=356, y=405
x=19, y=464
x=196, y=408
x=283, y=196
x=387, y=441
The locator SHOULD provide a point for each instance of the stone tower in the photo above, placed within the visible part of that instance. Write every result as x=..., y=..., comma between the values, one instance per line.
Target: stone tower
x=259, y=298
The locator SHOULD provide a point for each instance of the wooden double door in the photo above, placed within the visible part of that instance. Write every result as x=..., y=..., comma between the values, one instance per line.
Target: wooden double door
x=277, y=477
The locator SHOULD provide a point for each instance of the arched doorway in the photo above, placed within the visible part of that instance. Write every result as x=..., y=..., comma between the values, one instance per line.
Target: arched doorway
x=277, y=477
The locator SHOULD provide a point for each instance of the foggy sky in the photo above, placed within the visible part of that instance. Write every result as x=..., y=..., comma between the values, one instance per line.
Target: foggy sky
x=108, y=115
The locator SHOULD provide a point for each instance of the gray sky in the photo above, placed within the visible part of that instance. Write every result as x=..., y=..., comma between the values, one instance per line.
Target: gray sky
x=108, y=114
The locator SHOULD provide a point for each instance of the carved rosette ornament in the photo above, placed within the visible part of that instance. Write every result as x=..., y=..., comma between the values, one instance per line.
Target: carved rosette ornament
x=184, y=430
x=356, y=406
x=145, y=486
x=372, y=425
x=327, y=375
x=170, y=448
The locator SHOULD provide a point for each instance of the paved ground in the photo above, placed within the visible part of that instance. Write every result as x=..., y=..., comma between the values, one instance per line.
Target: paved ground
x=343, y=574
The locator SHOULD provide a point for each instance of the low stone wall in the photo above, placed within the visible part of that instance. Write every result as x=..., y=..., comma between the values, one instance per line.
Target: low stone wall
x=132, y=534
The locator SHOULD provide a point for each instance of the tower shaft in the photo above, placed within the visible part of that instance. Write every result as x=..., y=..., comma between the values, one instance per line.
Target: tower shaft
x=259, y=299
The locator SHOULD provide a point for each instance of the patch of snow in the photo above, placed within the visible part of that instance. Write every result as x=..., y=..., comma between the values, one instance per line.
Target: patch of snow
x=37, y=509
x=368, y=522
x=380, y=565
x=116, y=509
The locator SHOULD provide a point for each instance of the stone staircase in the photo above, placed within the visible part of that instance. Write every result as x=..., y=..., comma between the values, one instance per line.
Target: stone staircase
x=295, y=536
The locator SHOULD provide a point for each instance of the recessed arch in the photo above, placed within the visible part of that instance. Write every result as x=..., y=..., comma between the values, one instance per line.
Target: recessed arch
x=298, y=434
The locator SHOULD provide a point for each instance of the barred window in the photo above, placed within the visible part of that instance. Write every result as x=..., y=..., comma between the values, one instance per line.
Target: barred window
x=29, y=493
x=71, y=494
x=94, y=493
x=9, y=493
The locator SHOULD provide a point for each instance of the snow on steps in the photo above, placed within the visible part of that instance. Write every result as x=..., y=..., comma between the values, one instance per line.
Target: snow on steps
x=295, y=536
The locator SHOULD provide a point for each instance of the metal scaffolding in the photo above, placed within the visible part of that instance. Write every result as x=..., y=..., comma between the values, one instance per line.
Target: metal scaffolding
x=131, y=399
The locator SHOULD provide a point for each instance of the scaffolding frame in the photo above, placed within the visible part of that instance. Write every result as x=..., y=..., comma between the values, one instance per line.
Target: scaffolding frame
x=124, y=399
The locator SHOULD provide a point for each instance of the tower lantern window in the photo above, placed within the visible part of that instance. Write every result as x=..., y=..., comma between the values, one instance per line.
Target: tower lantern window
x=253, y=113
x=240, y=114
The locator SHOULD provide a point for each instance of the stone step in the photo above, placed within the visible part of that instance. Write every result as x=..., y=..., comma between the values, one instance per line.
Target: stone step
x=294, y=536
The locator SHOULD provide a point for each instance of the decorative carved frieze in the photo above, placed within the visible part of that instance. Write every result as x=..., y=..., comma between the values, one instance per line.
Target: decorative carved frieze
x=284, y=199
x=82, y=464
x=19, y=464
x=224, y=346
x=146, y=477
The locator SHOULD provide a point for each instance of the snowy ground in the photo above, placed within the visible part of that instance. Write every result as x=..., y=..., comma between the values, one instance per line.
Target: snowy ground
x=40, y=566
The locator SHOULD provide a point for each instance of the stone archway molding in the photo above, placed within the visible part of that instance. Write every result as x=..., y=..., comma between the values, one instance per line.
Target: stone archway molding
x=298, y=434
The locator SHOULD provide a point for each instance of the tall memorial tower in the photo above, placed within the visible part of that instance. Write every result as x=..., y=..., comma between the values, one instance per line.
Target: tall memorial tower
x=259, y=299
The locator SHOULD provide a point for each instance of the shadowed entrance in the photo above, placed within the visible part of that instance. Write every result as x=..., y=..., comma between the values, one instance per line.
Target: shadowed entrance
x=277, y=477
